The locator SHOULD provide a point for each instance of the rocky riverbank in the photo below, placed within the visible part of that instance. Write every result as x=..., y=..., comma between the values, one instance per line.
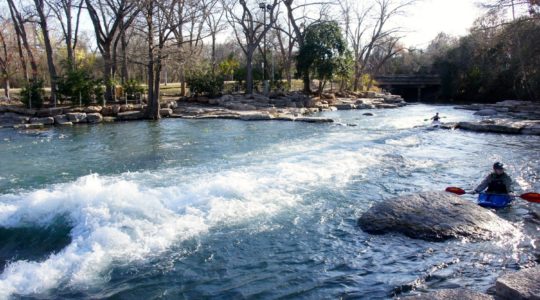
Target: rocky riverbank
x=295, y=107
x=509, y=117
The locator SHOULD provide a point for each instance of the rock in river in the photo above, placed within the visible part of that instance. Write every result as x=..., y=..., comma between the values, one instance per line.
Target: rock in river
x=434, y=216
x=451, y=294
x=523, y=284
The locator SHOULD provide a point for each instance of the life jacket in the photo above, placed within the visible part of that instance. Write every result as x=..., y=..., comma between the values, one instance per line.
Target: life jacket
x=497, y=185
x=436, y=118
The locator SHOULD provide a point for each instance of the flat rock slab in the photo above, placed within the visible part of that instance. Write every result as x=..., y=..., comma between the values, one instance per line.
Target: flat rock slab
x=434, y=216
x=451, y=294
x=524, y=284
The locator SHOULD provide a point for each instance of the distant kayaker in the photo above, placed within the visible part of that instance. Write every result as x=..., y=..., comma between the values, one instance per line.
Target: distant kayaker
x=436, y=118
x=497, y=182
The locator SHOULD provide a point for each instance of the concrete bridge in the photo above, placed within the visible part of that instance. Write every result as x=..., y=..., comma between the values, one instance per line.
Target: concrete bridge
x=411, y=87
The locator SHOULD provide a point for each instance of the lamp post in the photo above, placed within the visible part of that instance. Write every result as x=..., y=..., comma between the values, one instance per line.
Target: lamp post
x=265, y=7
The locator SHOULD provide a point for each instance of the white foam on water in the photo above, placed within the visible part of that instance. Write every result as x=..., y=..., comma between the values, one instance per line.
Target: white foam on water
x=135, y=216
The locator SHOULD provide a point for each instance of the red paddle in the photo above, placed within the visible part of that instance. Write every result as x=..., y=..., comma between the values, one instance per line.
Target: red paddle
x=455, y=190
x=531, y=197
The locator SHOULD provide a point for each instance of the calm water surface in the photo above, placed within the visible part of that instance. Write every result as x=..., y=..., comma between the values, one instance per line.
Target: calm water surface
x=229, y=209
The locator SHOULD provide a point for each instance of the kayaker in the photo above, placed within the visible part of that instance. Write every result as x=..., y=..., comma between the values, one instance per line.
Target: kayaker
x=436, y=118
x=497, y=182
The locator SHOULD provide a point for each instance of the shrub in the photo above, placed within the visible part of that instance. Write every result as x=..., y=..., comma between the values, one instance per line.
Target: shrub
x=132, y=87
x=78, y=82
x=207, y=84
x=33, y=93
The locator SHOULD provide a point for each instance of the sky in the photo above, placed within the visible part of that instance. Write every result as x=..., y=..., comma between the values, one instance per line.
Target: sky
x=427, y=18
x=421, y=22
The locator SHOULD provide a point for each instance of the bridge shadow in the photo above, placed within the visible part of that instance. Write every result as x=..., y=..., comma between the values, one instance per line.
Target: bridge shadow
x=411, y=87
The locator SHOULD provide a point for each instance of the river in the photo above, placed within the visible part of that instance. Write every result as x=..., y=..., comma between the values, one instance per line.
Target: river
x=230, y=209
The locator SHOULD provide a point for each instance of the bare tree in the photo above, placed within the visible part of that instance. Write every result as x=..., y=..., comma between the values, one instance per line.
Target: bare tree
x=107, y=18
x=4, y=60
x=158, y=32
x=188, y=27
x=43, y=24
x=249, y=30
x=368, y=28
x=18, y=23
x=68, y=14
x=214, y=21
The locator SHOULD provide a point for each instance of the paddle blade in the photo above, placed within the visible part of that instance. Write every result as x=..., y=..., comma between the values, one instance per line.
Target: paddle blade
x=531, y=197
x=455, y=190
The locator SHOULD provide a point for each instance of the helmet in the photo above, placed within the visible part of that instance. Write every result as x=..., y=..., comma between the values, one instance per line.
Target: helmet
x=498, y=166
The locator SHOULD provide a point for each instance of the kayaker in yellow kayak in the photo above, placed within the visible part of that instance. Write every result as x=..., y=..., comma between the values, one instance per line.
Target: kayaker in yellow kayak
x=497, y=182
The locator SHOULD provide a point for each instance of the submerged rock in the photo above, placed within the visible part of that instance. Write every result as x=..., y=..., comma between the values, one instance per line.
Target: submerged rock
x=434, y=216
x=523, y=284
x=451, y=294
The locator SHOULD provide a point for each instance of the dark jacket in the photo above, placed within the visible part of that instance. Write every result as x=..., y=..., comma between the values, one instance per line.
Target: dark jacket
x=496, y=184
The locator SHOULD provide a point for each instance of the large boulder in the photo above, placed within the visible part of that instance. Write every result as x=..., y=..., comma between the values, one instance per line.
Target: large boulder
x=93, y=109
x=239, y=106
x=94, y=118
x=9, y=119
x=44, y=121
x=450, y=294
x=49, y=112
x=62, y=120
x=434, y=216
x=345, y=106
x=224, y=99
x=76, y=117
x=165, y=112
x=126, y=107
x=130, y=115
x=486, y=112
x=495, y=126
x=107, y=111
x=524, y=284
x=256, y=117
x=21, y=110
x=531, y=127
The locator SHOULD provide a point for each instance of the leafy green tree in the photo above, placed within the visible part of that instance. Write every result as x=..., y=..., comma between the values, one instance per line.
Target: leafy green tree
x=229, y=66
x=205, y=83
x=321, y=52
x=32, y=93
x=78, y=84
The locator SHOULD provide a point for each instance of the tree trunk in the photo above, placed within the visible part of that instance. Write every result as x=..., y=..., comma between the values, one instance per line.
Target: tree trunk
x=18, y=23
x=48, y=48
x=154, y=111
x=213, y=53
x=6, y=85
x=356, y=77
x=125, y=74
x=68, y=37
x=107, y=73
x=249, y=75
x=182, y=80
x=307, y=84
x=23, y=59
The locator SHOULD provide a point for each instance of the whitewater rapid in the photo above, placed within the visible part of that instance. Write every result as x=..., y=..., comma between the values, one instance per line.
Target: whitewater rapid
x=132, y=217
